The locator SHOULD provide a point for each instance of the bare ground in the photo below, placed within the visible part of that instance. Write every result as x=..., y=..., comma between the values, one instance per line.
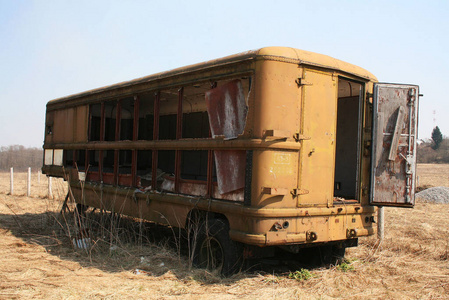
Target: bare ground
x=38, y=260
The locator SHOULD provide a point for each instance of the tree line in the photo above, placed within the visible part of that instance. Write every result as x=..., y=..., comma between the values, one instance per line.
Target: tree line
x=20, y=158
x=434, y=150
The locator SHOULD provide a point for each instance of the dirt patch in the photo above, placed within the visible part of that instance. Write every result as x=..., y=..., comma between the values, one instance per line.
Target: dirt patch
x=39, y=261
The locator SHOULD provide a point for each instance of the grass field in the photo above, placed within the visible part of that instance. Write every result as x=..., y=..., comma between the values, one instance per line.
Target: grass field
x=38, y=260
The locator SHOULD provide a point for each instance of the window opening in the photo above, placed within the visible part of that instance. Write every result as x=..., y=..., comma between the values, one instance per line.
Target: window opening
x=94, y=156
x=126, y=119
x=144, y=168
x=146, y=117
x=168, y=108
x=194, y=165
x=94, y=165
x=81, y=160
x=110, y=115
x=95, y=122
x=108, y=166
x=155, y=168
x=195, y=125
x=195, y=121
x=68, y=158
x=166, y=169
x=125, y=168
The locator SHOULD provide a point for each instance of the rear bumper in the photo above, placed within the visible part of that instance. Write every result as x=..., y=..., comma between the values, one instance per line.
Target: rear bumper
x=276, y=238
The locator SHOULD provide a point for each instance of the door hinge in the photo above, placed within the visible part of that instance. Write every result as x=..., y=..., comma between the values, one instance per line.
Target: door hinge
x=412, y=95
x=275, y=191
x=276, y=134
x=297, y=192
x=301, y=81
x=299, y=137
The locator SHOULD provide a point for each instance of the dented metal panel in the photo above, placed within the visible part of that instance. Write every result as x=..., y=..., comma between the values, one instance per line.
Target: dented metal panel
x=394, y=144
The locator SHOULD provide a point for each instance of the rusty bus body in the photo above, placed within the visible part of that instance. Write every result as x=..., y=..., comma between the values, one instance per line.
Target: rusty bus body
x=277, y=147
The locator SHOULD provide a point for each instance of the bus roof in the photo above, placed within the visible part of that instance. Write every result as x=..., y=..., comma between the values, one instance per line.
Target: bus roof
x=285, y=54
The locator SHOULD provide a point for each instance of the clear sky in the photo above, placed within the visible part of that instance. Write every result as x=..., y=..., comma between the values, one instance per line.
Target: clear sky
x=50, y=49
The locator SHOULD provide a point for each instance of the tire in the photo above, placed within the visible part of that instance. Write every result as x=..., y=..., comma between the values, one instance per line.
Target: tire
x=80, y=214
x=332, y=254
x=214, y=250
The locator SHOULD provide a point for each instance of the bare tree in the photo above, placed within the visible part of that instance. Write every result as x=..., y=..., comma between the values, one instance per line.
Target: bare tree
x=20, y=158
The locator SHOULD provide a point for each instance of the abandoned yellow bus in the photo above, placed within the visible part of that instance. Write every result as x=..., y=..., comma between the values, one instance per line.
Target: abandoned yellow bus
x=277, y=147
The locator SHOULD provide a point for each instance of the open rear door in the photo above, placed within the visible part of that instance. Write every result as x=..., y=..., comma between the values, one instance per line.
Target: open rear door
x=393, y=164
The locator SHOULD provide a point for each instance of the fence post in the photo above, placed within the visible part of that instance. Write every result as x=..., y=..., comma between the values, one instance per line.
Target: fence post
x=50, y=193
x=380, y=223
x=29, y=182
x=11, y=188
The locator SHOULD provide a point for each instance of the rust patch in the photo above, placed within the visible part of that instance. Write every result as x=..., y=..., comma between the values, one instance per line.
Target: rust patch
x=226, y=108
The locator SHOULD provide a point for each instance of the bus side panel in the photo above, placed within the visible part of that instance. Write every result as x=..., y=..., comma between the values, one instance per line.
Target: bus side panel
x=82, y=118
x=276, y=111
x=277, y=98
x=124, y=202
x=275, y=173
x=319, y=115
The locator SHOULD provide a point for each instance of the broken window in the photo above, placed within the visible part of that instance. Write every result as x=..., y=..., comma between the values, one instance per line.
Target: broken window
x=194, y=165
x=125, y=168
x=190, y=112
x=195, y=121
x=94, y=165
x=144, y=168
x=126, y=119
x=166, y=169
x=108, y=166
x=146, y=117
x=110, y=120
x=95, y=122
x=81, y=160
x=68, y=158
x=168, y=114
x=167, y=127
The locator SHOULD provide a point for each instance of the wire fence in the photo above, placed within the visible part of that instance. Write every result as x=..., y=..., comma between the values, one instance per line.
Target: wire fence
x=32, y=183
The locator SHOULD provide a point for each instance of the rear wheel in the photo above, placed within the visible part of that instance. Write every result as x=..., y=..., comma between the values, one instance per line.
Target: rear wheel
x=80, y=215
x=213, y=249
x=332, y=254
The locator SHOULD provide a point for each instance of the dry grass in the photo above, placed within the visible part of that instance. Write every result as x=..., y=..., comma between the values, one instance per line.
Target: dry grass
x=38, y=261
x=433, y=175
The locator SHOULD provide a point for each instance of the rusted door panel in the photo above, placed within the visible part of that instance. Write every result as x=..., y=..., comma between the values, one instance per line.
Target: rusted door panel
x=395, y=123
x=226, y=107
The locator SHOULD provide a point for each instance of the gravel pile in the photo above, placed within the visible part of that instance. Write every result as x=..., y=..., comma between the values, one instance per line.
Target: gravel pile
x=438, y=194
